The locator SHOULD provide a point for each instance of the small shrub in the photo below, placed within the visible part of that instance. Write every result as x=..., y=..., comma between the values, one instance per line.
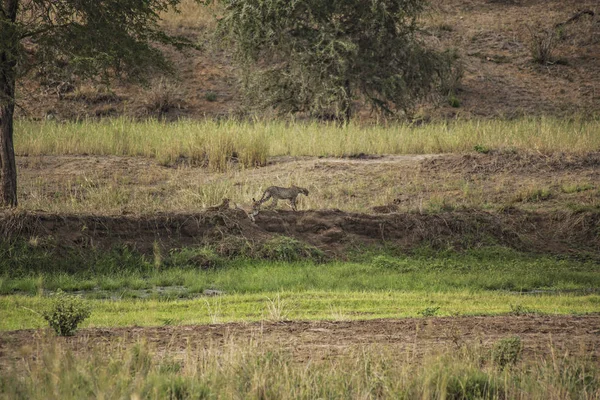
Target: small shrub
x=453, y=101
x=445, y=27
x=533, y=195
x=542, y=45
x=473, y=385
x=170, y=367
x=283, y=248
x=65, y=313
x=576, y=188
x=507, y=351
x=210, y=96
x=518, y=309
x=277, y=309
x=429, y=311
x=539, y=195
x=385, y=262
x=162, y=97
x=195, y=257
x=481, y=149
x=438, y=204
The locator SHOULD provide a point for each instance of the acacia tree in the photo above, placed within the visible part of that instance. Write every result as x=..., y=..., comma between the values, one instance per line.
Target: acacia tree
x=55, y=40
x=317, y=56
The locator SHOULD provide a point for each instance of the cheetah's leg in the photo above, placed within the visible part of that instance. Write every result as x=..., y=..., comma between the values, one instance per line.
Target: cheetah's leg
x=266, y=196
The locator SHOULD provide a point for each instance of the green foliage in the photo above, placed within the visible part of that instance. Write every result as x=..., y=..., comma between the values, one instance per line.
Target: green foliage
x=65, y=313
x=519, y=309
x=534, y=195
x=57, y=42
x=453, y=101
x=210, y=96
x=21, y=258
x=317, y=57
x=191, y=270
x=396, y=264
x=284, y=248
x=429, y=311
x=472, y=385
x=576, y=187
x=92, y=40
x=481, y=149
x=195, y=257
x=507, y=351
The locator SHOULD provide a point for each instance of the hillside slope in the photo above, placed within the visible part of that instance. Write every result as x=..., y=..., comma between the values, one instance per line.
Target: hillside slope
x=492, y=37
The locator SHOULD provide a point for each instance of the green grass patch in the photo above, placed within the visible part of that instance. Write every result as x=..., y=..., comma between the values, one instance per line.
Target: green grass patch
x=22, y=312
x=576, y=187
x=127, y=288
x=197, y=269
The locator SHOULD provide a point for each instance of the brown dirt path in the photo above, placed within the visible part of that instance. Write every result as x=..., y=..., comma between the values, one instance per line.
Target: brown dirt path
x=411, y=337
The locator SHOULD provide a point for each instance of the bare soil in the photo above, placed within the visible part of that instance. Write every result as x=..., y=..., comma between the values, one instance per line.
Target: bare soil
x=492, y=38
x=410, y=338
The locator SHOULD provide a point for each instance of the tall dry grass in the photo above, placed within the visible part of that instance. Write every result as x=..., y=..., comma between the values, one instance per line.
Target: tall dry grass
x=191, y=14
x=220, y=144
x=258, y=369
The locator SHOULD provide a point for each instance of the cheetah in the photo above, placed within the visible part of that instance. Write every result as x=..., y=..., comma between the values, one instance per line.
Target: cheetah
x=280, y=193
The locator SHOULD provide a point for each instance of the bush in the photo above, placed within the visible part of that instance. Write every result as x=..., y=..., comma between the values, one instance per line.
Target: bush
x=210, y=96
x=65, y=313
x=542, y=45
x=162, y=97
x=398, y=265
x=429, y=311
x=507, y=351
x=283, y=248
x=195, y=257
x=326, y=59
x=533, y=195
x=453, y=101
x=481, y=149
x=519, y=309
x=473, y=385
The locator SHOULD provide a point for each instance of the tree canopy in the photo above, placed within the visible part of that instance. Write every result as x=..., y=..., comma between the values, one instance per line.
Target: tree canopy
x=56, y=40
x=318, y=56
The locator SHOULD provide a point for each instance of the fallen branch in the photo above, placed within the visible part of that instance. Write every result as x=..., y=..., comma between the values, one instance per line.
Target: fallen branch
x=575, y=17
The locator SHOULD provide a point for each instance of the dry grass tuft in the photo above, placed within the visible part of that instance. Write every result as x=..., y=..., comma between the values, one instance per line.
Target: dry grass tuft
x=191, y=14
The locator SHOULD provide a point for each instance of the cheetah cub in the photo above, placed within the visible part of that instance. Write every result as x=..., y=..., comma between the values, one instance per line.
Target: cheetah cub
x=221, y=207
x=280, y=193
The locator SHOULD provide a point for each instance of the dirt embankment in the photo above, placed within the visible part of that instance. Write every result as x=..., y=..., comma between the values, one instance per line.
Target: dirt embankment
x=333, y=231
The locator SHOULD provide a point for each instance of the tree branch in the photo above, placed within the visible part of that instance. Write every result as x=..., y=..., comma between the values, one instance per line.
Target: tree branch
x=44, y=30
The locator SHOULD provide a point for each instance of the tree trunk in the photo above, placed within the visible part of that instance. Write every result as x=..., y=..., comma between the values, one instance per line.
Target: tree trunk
x=8, y=169
x=347, y=103
x=8, y=65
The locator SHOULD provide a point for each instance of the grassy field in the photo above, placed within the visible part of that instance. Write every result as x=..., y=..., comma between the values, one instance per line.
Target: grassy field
x=119, y=166
x=129, y=289
x=194, y=323
x=22, y=312
x=492, y=268
x=216, y=143
x=259, y=370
